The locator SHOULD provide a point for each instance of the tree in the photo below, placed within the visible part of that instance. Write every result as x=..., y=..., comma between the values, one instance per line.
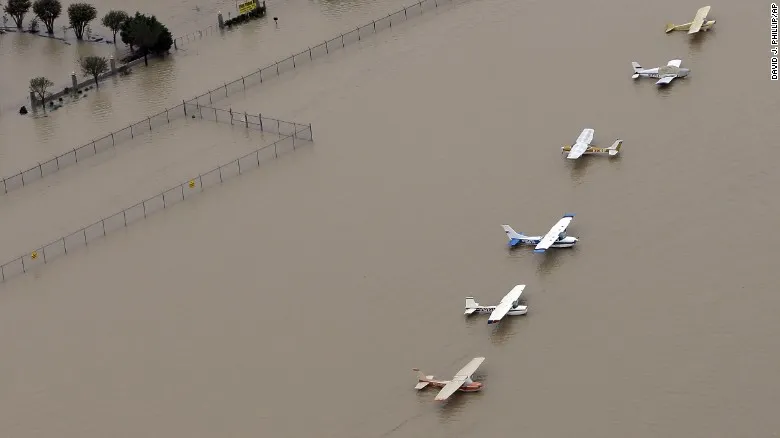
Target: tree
x=38, y=86
x=80, y=14
x=94, y=66
x=47, y=11
x=17, y=9
x=114, y=21
x=146, y=33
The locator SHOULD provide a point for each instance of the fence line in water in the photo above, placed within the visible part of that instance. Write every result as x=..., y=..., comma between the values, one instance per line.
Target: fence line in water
x=81, y=238
x=106, y=142
x=40, y=170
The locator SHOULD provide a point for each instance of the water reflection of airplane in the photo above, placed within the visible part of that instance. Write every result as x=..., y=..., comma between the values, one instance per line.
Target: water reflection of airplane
x=461, y=382
x=699, y=22
x=509, y=305
x=582, y=146
x=555, y=238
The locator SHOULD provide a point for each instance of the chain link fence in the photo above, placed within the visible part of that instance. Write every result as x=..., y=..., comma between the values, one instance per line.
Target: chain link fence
x=300, y=135
x=208, y=98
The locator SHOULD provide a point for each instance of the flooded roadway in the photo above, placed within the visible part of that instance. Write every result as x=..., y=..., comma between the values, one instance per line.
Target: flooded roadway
x=293, y=301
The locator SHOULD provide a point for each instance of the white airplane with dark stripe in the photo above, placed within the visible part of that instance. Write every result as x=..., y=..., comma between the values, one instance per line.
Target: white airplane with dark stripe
x=666, y=73
x=509, y=305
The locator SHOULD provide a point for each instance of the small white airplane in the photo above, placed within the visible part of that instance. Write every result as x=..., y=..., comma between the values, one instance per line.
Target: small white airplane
x=666, y=73
x=555, y=238
x=461, y=382
x=582, y=146
x=509, y=305
x=699, y=22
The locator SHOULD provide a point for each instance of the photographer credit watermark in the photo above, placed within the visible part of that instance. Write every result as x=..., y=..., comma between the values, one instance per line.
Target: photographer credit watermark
x=773, y=41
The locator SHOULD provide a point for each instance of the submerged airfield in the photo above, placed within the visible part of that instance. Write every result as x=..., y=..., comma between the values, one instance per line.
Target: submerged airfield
x=293, y=301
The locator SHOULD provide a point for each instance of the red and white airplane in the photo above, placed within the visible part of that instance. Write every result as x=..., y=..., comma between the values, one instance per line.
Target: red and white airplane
x=461, y=382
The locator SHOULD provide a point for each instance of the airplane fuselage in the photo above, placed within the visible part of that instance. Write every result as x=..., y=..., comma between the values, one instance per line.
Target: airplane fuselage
x=589, y=150
x=469, y=386
x=706, y=26
x=514, y=311
x=566, y=242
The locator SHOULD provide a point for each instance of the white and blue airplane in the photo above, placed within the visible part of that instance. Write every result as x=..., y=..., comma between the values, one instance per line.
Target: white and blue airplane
x=555, y=238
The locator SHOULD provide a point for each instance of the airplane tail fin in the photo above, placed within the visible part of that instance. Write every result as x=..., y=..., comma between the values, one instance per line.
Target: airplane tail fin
x=669, y=27
x=637, y=69
x=512, y=234
x=422, y=379
x=615, y=148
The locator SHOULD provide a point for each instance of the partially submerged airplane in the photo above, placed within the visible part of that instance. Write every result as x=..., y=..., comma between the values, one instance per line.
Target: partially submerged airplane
x=582, y=146
x=461, y=382
x=509, y=305
x=699, y=23
x=555, y=238
x=666, y=73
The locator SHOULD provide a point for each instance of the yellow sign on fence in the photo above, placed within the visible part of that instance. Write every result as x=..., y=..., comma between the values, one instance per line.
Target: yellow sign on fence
x=192, y=183
x=34, y=255
x=247, y=6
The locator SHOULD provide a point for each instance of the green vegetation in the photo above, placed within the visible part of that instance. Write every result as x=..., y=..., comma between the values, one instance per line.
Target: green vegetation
x=94, y=66
x=114, y=21
x=47, y=11
x=39, y=86
x=80, y=14
x=147, y=35
x=17, y=9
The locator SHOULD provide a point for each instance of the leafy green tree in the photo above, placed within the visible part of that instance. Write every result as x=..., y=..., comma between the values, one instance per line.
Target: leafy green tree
x=17, y=9
x=94, y=66
x=47, y=11
x=147, y=34
x=114, y=21
x=80, y=14
x=39, y=86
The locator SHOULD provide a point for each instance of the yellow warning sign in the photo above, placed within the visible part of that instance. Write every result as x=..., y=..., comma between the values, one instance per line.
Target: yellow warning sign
x=34, y=255
x=247, y=6
x=192, y=183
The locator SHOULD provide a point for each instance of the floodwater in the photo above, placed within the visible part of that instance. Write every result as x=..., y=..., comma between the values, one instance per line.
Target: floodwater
x=293, y=301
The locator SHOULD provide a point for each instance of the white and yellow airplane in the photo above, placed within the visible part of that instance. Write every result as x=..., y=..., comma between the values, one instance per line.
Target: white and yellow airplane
x=583, y=147
x=699, y=22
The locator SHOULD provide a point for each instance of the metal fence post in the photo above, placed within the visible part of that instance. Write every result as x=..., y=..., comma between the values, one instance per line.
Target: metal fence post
x=293, y=137
x=220, y=174
x=149, y=119
x=391, y=20
x=326, y=47
x=276, y=154
x=184, y=104
x=200, y=179
x=84, y=230
x=23, y=268
x=104, y=228
x=131, y=131
x=293, y=57
x=243, y=83
x=75, y=155
x=358, y=32
x=311, y=133
x=277, y=69
x=278, y=127
x=5, y=187
x=246, y=120
x=166, y=115
x=94, y=149
x=163, y=199
x=405, y=17
x=124, y=214
x=215, y=116
x=239, y=165
x=310, y=58
x=261, y=75
x=210, y=97
x=374, y=26
x=41, y=168
x=225, y=89
x=421, y=8
x=144, y=204
x=342, y=40
x=257, y=156
x=112, y=141
x=230, y=110
x=65, y=245
x=260, y=116
x=182, y=191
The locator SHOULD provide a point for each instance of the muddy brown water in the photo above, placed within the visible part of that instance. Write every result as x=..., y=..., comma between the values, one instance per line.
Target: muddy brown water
x=293, y=301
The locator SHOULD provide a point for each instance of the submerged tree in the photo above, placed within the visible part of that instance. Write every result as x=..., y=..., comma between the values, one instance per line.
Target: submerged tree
x=147, y=34
x=94, y=66
x=47, y=11
x=39, y=86
x=80, y=14
x=17, y=9
x=114, y=21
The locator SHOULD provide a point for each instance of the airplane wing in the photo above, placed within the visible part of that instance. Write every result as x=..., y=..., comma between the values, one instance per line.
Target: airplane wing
x=506, y=304
x=698, y=20
x=675, y=62
x=552, y=235
x=666, y=80
x=581, y=145
x=460, y=378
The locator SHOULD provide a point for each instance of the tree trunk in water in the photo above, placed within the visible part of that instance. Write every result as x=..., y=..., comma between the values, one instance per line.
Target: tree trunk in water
x=115, y=40
x=146, y=63
x=96, y=82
